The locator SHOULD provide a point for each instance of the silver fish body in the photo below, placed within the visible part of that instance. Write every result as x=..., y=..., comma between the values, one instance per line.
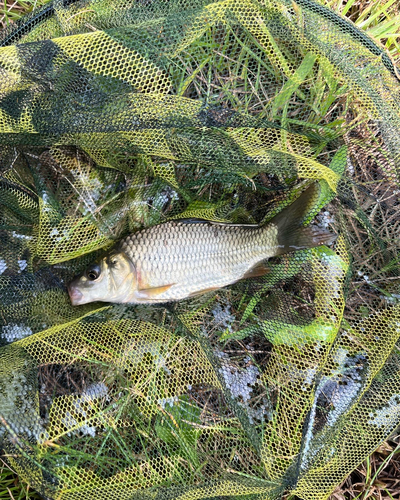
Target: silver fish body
x=181, y=259
x=195, y=257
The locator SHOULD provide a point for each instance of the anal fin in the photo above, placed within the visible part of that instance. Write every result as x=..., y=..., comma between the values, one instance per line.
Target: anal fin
x=200, y=292
x=258, y=270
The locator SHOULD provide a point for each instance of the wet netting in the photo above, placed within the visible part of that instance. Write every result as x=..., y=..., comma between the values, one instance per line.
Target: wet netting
x=120, y=115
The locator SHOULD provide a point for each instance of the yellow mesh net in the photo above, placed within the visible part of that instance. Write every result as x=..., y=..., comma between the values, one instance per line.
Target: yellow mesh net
x=119, y=115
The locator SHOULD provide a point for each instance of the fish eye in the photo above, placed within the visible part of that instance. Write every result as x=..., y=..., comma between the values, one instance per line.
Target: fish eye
x=93, y=272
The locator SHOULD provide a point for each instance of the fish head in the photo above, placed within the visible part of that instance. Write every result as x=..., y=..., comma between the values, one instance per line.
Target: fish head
x=111, y=279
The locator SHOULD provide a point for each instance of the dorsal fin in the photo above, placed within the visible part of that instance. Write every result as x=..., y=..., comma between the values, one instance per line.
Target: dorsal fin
x=194, y=220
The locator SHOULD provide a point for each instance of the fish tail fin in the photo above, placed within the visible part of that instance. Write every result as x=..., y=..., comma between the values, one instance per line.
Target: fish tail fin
x=292, y=235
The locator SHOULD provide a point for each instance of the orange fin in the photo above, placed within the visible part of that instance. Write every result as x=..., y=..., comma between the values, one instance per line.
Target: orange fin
x=151, y=293
x=211, y=289
x=256, y=271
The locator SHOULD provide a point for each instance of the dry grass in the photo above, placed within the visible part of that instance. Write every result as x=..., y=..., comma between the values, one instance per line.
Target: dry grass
x=375, y=191
x=376, y=478
x=379, y=476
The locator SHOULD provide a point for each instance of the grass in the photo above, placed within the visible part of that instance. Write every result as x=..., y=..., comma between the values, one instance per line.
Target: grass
x=11, y=11
x=379, y=18
x=11, y=488
x=377, y=476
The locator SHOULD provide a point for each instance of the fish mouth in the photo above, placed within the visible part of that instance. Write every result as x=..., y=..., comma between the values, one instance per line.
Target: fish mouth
x=75, y=295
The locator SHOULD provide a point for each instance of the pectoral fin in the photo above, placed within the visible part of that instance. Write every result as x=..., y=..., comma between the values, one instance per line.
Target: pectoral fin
x=258, y=270
x=153, y=293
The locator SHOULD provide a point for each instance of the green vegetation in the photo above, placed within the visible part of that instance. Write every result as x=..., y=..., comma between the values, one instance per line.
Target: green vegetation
x=379, y=19
x=12, y=11
x=11, y=488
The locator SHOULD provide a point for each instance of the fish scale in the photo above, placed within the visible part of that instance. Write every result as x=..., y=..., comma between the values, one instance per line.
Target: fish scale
x=222, y=255
x=181, y=259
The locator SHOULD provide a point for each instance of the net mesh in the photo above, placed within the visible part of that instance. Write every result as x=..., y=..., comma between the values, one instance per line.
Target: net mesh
x=120, y=115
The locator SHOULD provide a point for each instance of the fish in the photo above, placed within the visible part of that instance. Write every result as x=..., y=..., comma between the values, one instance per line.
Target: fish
x=180, y=259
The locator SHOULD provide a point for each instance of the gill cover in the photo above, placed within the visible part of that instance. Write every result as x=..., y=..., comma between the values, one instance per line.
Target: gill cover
x=112, y=279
